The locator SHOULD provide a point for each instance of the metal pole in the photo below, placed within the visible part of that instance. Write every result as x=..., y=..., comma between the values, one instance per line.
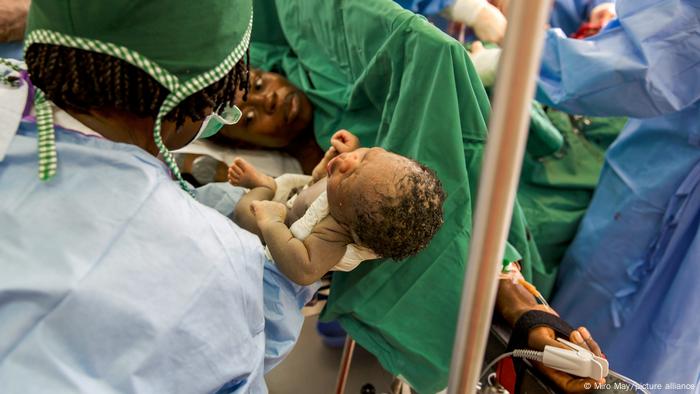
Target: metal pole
x=345, y=361
x=503, y=156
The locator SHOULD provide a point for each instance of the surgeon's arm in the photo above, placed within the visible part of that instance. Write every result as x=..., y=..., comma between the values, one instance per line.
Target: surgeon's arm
x=488, y=22
x=644, y=64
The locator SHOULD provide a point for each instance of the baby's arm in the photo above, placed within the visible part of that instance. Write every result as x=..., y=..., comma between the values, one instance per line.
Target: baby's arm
x=342, y=141
x=320, y=170
x=302, y=262
x=243, y=215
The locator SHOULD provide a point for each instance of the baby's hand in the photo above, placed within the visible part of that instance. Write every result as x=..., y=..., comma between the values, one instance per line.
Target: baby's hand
x=345, y=141
x=320, y=170
x=268, y=211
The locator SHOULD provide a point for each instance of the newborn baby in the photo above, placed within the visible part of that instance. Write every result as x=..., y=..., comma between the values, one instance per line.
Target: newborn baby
x=359, y=204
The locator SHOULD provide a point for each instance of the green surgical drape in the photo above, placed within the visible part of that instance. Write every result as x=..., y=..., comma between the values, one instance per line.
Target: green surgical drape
x=398, y=82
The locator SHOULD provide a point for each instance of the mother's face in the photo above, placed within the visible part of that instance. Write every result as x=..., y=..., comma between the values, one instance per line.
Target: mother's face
x=274, y=113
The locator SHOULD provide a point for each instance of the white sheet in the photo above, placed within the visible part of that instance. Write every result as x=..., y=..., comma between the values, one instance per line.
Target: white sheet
x=270, y=162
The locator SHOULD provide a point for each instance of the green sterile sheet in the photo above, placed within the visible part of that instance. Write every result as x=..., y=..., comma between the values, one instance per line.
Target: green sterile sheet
x=397, y=82
x=562, y=163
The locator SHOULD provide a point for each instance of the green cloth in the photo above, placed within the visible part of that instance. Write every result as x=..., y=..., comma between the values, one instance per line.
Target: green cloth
x=397, y=82
x=543, y=137
x=557, y=186
x=563, y=158
x=186, y=38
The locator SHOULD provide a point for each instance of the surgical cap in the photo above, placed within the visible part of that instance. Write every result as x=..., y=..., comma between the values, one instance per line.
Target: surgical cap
x=184, y=45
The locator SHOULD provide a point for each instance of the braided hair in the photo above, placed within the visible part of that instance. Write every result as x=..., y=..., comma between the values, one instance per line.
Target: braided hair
x=80, y=81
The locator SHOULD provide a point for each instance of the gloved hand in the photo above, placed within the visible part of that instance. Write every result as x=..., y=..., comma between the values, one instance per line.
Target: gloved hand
x=485, y=62
x=488, y=22
x=602, y=14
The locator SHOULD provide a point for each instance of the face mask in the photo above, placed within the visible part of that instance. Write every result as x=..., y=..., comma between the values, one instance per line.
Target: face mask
x=215, y=122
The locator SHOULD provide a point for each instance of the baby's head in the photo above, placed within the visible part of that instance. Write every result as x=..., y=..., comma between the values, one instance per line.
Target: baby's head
x=391, y=204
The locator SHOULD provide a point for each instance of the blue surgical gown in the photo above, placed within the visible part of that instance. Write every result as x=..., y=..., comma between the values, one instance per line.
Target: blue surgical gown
x=113, y=280
x=425, y=7
x=630, y=275
x=12, y=50
x=283, y=299
x=567, y=15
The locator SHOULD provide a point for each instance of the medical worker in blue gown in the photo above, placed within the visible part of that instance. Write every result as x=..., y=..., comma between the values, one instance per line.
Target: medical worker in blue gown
x=631, y=274
x=113, y=278
x=489, y=23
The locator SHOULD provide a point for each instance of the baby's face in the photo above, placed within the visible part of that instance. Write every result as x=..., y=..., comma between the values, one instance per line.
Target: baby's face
x=364, y=171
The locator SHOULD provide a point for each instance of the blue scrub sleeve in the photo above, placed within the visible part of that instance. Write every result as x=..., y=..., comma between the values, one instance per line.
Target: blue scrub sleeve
x=642, y=65
x=12, y=50
x=591, y=4
x=425, y=7
x=221, y=196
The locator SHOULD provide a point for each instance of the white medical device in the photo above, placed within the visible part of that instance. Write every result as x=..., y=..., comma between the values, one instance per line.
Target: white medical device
x=575, y=361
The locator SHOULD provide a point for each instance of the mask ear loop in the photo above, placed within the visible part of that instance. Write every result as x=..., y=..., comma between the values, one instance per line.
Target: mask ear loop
x=46, y=139
x=6, y=77
x=169, y=103
x=46, y=135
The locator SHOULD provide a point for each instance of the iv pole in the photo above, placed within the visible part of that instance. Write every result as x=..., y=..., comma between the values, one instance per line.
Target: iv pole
x=519, y=66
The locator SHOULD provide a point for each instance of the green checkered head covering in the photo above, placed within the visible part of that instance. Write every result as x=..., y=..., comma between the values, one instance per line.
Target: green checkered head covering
x=184, y=45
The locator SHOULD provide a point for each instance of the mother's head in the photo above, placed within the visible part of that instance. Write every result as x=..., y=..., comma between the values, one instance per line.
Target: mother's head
x=274, y=111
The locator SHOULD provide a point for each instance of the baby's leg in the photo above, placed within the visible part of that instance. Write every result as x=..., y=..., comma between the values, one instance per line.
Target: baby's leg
x=242, y=173
x=263, y=187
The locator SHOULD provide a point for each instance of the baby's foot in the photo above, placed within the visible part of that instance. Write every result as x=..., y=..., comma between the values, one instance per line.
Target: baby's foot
x=242, y=173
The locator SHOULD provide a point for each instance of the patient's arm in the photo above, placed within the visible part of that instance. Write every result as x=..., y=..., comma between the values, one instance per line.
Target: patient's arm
x=512, y=302
x=302, y=262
